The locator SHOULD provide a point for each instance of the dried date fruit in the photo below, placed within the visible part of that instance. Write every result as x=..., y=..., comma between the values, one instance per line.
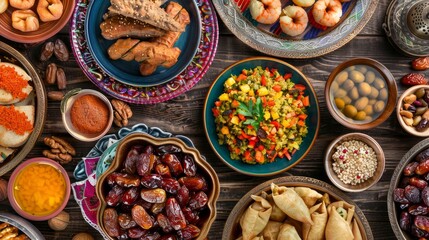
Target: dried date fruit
x=144, y=163
x=163, y=170
x=170, y=185
x=423, y=168
x=193, y=183
x=425, y=196
x=189, y=232
x=111, y=178
x=130, y=161
x=110, y=221
x=416, y=232
x=123, y=235
x=55, y=95
x=61, y=51
x=126, y=221
x=164, y=223
x=46, y=51
x=183, y=196
x=127, y=180
x=418, y=209
x=175, y=214
x=144, y=204
x=114, y=196
x=151, y=180
x=412, y=79
x=412, y=194
x=399, y=196
x=148, y=149
x=136, y=232
x=420, y=64
x=190, y=216
x=157, y=208
x=151, y=236
x=410, y=169
x=422, y=223
x=423, y=155
x=61, y=79
x=418, y=183
x=168, y=237
x=130, y=196
x=189, y=167
x=141, y=217
x=173, y=164
x=168, y=148
x=405, y=181
x=156, y=195
x=405, y=221
x=51, y=74
x=198, y=201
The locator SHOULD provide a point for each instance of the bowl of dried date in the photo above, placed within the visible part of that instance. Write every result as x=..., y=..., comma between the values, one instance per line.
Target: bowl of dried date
x=412, y=110
x=157, y=187
x=408, y=196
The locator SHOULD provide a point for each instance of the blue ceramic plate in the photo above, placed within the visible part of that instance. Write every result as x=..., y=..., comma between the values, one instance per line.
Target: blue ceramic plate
x=128, y=72
x=279, y=165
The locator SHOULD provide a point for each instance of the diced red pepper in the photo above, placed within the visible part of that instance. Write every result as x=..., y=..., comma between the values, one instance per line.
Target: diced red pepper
x=218, y=103
x=215, y=112
x=263, y=80
x=259, y=157
x=287, y=76
x=251, y=144
x=261, y=147
x=276, y=124
x=247, y=156
x=271, y=103
x=301, y=123
x=241, y=117
x=241, y=77
x=244, y=135
x=306, y=101
x=300, y=87
x=302, y=116
x=249, y=127
x=287, y=154
x=278, y=78
x=235, y=104
x=277, y=88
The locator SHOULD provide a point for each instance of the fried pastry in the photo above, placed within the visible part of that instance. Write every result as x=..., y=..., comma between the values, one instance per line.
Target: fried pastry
x=118, y=26
x=22, y=4
x=25, y=20
x=50, y=10
x=3, y=5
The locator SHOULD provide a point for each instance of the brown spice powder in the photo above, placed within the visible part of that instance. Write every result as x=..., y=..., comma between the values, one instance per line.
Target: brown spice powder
x=89, y=114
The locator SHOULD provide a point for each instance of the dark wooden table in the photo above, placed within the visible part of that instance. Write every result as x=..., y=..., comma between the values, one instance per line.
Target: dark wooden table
x=183, y=115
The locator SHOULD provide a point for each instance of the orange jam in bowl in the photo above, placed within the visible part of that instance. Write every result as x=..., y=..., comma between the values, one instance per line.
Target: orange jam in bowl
x=40, y=189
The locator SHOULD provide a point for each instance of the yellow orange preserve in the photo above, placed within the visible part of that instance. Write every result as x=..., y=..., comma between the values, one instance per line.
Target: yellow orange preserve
x=39, y=189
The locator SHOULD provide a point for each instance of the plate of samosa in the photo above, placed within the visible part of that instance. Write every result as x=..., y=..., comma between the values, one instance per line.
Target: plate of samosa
x=293, y=208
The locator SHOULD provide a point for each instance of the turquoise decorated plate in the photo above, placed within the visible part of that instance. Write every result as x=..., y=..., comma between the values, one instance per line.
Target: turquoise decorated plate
x=128, y=72
x=280, y=164
x=314, y=41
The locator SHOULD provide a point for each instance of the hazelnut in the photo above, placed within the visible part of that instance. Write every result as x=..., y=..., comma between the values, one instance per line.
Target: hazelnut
x=59, y=222
x=3, y=189
x=83, y=236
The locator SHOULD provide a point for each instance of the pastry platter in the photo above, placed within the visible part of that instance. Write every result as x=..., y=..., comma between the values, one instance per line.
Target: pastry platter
x=313, y=42
x=146, y=95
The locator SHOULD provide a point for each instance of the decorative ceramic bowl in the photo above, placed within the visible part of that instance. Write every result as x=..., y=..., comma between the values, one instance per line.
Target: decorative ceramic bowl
x=232, y=228
x=394, y=210
x=128, y=71
x=279, y=165
x=46, y=29
x=66, y=106
x=400, y=107
x=37, y=98
x=23, y=225
x=207, y=216
x=332, y=148
x=16, y=176
x=360, y=93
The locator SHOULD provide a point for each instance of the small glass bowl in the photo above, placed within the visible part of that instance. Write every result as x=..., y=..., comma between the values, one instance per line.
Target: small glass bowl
x=66, y=105
x=11, y=185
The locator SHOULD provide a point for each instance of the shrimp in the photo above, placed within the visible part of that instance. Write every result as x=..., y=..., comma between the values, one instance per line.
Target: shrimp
x=304, y=3
x=293, y=20
x=327, y=12
x=265, y=11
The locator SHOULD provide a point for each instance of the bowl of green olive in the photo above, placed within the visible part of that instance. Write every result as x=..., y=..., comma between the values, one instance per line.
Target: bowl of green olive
x=361, y=93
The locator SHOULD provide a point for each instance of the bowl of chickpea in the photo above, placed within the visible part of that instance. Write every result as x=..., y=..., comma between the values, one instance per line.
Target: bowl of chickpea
x=361, y=93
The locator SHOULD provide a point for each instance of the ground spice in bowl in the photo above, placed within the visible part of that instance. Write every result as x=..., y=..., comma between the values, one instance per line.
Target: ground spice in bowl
x=89, y=114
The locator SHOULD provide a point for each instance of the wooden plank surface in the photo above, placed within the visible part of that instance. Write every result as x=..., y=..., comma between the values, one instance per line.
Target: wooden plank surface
x=183, y=115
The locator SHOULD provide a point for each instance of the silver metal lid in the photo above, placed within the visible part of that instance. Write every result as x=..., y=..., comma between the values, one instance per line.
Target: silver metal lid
x=418, y=20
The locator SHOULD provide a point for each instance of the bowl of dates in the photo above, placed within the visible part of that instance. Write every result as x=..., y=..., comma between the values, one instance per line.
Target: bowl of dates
x=408, y=196
x=157, y=187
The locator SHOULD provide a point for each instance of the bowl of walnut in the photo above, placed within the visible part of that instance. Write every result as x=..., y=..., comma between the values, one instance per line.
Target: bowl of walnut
x=157, y=187
x=32, y=21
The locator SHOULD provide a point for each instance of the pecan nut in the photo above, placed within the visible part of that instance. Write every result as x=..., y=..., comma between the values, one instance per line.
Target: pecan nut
x=60, y=151
x=51, y=73
x=61, y=79
x=412, y=79
x=47, y=51
x=420, y=64
x=62, y=158
x=122, y=112
x=61, y=51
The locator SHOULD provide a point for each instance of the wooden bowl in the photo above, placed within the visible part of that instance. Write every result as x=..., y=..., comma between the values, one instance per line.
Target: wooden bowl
x=46, y=29
x=207, y=216
x=410, y=129
x=39, y=100
x=392, y=209
x=361, y=186
x=232, y=228
x=334, y=90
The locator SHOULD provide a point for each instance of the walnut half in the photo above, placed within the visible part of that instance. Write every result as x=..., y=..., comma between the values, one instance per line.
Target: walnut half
x=122, y=112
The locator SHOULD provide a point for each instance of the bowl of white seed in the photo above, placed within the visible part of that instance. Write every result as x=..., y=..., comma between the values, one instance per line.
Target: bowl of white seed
x=354, y=162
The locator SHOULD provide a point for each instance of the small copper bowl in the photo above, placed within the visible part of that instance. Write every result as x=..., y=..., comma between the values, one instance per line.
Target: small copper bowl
x=207, y=216
x=46, y=29
x=358, y=99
